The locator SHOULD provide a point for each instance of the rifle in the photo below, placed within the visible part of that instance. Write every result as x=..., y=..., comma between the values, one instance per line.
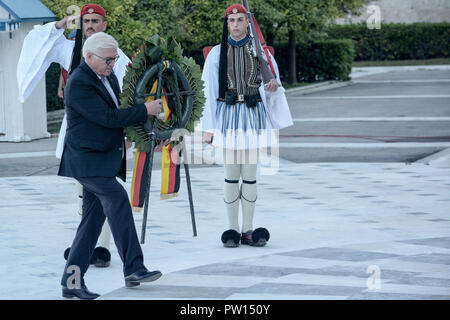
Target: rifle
x=266, y=72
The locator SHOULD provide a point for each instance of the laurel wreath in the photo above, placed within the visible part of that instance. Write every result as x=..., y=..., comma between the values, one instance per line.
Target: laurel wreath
x=151, y=52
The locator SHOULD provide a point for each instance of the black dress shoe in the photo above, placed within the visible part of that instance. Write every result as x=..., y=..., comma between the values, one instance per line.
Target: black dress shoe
x=137, y=277
x=83, y=293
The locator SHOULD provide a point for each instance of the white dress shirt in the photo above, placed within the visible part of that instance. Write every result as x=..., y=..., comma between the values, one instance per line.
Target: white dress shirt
x=108, y=87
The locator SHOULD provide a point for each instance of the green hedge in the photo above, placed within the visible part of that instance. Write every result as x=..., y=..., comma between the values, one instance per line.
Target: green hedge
x=396, y=41
x=318, y=61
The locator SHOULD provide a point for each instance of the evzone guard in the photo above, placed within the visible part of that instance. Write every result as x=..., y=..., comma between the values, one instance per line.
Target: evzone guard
x=245, y=107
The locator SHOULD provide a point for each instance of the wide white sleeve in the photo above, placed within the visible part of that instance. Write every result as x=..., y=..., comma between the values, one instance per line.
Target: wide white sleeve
x=210, y=76
x=42, y=46
x=61, y=138
x=276, y=102
x=120, y=67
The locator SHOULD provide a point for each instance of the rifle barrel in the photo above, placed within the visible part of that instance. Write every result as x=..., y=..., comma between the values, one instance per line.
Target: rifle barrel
x=266, y=73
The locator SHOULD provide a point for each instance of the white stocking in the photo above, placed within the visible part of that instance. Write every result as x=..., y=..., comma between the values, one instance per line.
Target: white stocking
x=105, y=236
x=248, y=195
x=231, y=194
x=79, y=197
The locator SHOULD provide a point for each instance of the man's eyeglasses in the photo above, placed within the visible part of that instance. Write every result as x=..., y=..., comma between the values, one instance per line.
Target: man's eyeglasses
x=108, y=61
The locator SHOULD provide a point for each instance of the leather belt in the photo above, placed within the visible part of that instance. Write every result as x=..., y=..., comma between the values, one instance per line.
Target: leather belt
x=231, y=98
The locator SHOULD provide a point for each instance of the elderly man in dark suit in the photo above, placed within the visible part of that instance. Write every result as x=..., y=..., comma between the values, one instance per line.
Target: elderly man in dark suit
x=94, y=154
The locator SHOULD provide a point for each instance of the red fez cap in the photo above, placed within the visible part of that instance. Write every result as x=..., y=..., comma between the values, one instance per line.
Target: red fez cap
x=236, y=8
x=93, y=8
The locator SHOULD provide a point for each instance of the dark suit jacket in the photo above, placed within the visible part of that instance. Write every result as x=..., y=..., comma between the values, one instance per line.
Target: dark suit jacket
x=94, y=144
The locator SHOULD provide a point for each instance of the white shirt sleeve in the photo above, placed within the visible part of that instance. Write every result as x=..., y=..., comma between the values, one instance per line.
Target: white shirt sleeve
x=42, y=46
x=210, y=76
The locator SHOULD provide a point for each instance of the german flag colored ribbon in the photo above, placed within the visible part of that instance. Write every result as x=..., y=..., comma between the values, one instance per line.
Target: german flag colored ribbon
x=139, y=181
x=170, y=170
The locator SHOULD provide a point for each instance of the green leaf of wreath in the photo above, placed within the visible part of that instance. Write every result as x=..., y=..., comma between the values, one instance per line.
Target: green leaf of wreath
x=151, y=52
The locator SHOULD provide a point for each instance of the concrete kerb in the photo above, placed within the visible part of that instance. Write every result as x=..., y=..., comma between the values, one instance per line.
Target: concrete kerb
x=358, y=72
x=318, y=87
x=439, y=158
x=333, y=84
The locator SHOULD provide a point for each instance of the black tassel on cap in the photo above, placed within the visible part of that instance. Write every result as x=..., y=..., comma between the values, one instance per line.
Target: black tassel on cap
x=76, y=54
x=223, y=61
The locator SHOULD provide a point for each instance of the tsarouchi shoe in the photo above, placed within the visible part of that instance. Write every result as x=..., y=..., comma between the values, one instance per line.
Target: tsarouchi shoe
x=101, y=257
x=230, y=238
x=256, y=238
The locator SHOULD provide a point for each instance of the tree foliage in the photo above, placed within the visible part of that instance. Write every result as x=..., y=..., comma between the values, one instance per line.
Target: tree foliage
x=122, y=22
x=195, y=23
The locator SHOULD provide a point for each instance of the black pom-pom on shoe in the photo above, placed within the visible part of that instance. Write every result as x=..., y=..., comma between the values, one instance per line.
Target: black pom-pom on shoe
x=261, y=235
x=231, y=238
x=66, y=253
x=101, y=257
x=256, y=238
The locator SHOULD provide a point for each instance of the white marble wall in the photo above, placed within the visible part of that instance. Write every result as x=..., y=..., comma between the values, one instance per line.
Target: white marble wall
x=405, y=11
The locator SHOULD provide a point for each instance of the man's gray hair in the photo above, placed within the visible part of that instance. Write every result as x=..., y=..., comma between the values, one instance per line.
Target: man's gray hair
x=98, y=41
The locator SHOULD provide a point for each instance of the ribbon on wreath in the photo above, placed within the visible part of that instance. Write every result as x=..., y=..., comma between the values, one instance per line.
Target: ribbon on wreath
x=170, y=169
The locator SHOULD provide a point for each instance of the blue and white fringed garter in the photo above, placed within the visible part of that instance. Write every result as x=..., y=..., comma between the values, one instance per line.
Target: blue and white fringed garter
x=239, y=127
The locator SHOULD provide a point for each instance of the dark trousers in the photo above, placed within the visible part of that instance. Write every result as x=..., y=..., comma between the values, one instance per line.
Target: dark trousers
x=104, y=197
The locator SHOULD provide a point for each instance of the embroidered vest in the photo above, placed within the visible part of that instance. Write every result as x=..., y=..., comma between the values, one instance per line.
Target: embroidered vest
x=243, y=72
